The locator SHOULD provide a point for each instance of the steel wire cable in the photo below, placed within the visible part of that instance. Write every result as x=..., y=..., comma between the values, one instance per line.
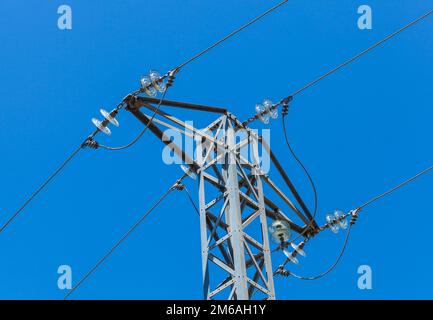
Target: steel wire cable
x=49, y=179
x=346, y=241
x=338, y=259
x=231, y=34
x=124, y=237
x=310, y=179
x=120, y=105
x=55, y=173
x=332, y=267
x=179, y=67
x=290, y=97
x=360, y=54
x=357, y=210
x=325, y=75
x=191, y=200
x=419, y=174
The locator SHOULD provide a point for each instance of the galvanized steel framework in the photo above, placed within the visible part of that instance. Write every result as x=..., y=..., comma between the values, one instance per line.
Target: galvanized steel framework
x=234, y=211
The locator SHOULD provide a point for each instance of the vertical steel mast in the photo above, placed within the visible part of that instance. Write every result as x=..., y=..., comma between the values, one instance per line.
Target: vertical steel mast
x=231, y=203
x=234, y=211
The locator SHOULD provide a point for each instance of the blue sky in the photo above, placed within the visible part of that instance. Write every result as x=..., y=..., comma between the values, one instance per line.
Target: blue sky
x=360, y=132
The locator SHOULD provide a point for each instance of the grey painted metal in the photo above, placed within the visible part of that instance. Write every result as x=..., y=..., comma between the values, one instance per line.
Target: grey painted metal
x=227, y=176
x=234, y=211
x=182, y=105
x=261, y=199
x=233, y=214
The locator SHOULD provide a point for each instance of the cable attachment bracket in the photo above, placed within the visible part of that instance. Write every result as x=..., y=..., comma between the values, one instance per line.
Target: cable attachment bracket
x=178, y=185
x=354, y=215
x=171, y=77
x=91, y=143
x=129, y=99
x=280, y=270
x=285, y=103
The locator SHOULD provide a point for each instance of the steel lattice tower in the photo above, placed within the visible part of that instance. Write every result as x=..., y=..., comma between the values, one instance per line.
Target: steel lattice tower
x=234, y=211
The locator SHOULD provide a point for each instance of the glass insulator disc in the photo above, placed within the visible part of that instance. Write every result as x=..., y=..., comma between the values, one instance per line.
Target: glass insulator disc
x=343, y=223
x=100, y=127
x=280, y=231
x=264, y=117
x=330, y=220
x=267, y=104
x=298, y=250
x=290, y=256
x=108, y=116
x=146, y=85
x=158, y=84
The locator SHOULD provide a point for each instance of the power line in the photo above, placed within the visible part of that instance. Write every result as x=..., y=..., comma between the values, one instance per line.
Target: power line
x=125, y=236
x=354, y=216
x=360, y=54
x=289, y=97
x=173, y=71
x=91, y=143
x=188, y=194
x=310, y=179
x=395, y=188
x=87, y=142
x=231, y=34
x=50, y=178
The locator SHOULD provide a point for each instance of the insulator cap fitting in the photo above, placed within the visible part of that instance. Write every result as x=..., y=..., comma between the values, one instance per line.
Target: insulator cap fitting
x=285, y=103
x=90, y=143
x=282, y=271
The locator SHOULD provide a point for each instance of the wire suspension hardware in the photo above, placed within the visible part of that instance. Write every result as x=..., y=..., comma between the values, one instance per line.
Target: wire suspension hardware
x=275, y=106
x=282, y=271
x=176, y=186
x=169, y=84
x=331, y=268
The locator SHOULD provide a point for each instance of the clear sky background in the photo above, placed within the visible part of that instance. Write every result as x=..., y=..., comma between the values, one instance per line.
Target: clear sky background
x=360, y=132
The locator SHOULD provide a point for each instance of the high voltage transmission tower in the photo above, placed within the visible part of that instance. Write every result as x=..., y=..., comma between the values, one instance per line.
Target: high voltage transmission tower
x=241, y=207
x=233, y=208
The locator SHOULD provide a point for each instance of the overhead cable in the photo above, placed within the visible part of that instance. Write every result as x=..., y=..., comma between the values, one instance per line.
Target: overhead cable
x=125, y=236
x=345, y=63
x=421, y=173
x=354, y=216
x=310, y=179
x=47, y=181
x=90, y=142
